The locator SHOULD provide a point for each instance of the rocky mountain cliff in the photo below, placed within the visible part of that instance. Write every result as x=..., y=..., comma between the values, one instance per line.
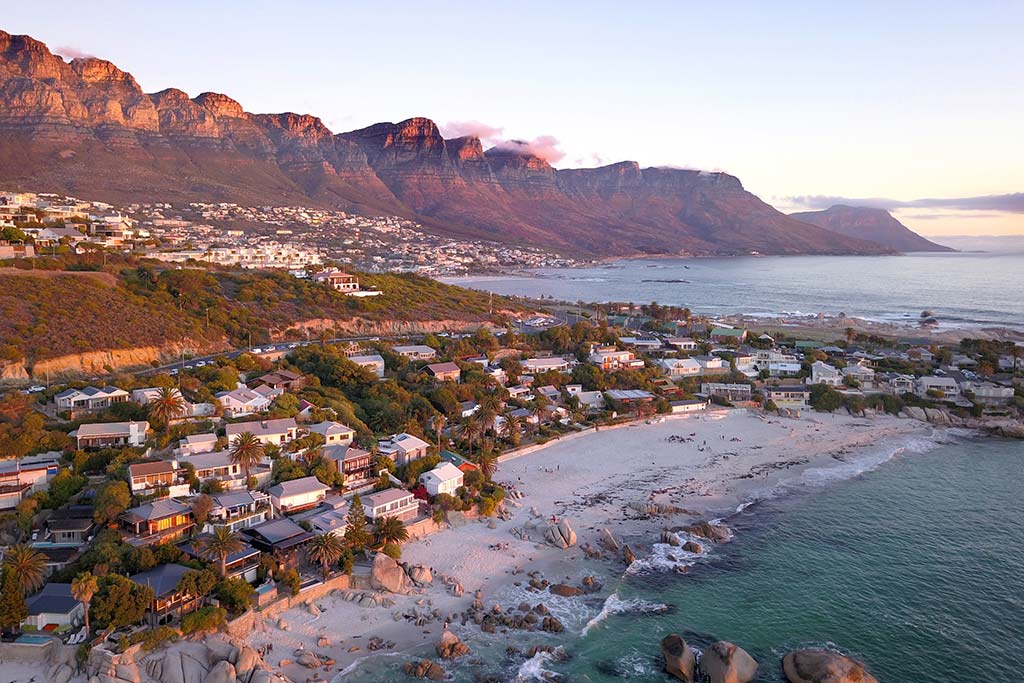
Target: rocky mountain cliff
x=86, y=128
x=876, y=225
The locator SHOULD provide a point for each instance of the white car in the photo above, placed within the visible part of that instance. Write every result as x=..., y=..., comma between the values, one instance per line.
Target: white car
x=293, y=346
x=256, y=350
x=173, y=371
x=201, y=364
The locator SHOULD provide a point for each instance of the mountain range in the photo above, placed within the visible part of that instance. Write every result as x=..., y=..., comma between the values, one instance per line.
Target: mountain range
x=877, y=225
x=87, y=128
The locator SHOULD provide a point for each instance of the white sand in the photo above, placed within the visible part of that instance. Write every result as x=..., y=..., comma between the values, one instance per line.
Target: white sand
x=591, y=480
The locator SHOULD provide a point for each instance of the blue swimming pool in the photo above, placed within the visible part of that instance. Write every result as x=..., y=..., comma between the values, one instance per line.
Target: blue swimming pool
x=33, y=639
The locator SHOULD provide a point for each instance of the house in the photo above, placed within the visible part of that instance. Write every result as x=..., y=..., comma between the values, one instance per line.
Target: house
x=989, y=393
x=823, y=373
x=728, y=334
x=920, y=353
x=145, y=478
x=285, y=380
x=795, y=396
x=610, y=358
x=467, y=408
x=946, y=387
x=334, y=433
x=901, y=384
x=157, y=522
x=218, y=466
x=197, y=443
x=861, y=374
x=19, y=479
x=444, y=372
x=445, y=478
x=630, y=397
x=277, y=432
x=71, y=525
x=238, y=510
x=730, y=392
x=537, y=365
x=89, y=399
x=52, y=607
x=646, y=343
x=242, y=401
x=280, y=536
x=391, y=503
x=110, y=435
x=403, y=448
x=519, y=391
x=331, y=517
x=149, y=394
x=355, y=464
x=415, y=352
x=680, y=367
x=168, y=602
x=552, y=393
x=683, y=344
x=297, y=495
x=591, y=401
x=338, y=281
x=243, y=563
x=689, y=405
x=374, y=363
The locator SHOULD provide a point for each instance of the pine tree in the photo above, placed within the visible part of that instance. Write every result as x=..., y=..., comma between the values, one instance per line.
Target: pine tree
x=356, y=534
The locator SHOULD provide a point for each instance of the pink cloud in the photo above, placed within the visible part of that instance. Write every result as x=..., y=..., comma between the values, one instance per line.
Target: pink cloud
x=544, y=147
x=458, y=129
x=72, y=52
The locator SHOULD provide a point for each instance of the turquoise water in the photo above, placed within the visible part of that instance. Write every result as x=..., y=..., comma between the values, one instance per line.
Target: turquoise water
x=916, y=568
x=961, y=289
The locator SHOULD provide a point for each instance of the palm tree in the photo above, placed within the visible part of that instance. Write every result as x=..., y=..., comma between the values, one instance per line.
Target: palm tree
x=488, y=464
x=83, y=587
x=220, y=544
x=167, y=405
x=439, y=423
x=28, y=564
x=247, y=451
x=325, y=549
x=390, y=530
x=471, y=429
x=511, y=428
x=539, y=407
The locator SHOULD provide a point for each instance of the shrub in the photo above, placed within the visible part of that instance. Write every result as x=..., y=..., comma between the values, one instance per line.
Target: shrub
x=291, y=579
x=235, y=594
x=203, y=619
x=392, y=550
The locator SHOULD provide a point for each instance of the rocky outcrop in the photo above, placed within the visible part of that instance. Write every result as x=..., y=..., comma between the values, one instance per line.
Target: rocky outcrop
x=450, y=647
x=680, y=661
x=715, y=533
x=424, y=669
x=387, y=575
x=824, y=666
x=419, y=574
x=724, y=662
x=93, y=132
x=564, y=590
x=560, y=535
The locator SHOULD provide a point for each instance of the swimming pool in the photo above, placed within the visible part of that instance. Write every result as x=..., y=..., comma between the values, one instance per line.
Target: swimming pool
x=33, y=639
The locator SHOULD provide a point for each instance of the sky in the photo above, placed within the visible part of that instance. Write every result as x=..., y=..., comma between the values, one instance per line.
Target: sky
x=916, y=107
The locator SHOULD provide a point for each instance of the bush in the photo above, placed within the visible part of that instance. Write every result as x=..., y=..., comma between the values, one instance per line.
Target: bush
x=291, y=579
x=203, y=619
x=392, y=550
x=235, y=594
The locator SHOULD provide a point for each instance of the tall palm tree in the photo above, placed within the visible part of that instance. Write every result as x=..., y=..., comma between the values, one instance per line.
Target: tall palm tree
x=28, y=564
x=488, y=464
x=512, y=426
x=439, y=422
x=167, y=406
x=390, y=530
x=247, y=451
x=471, y=429
x=219, y=545
x=83, y=587
x=539, y=407
x=325, y=549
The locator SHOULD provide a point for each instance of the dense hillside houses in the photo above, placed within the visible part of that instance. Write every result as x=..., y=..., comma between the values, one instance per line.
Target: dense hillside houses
x=349, y=441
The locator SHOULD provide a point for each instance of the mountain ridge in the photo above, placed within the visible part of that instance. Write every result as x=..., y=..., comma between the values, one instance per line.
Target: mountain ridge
x=86, y=127
x=877, y=225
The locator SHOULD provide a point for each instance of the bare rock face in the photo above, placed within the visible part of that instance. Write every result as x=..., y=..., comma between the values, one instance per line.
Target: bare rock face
x=724, y=662
x=560, y=535
x=679, y=658
x=388, y=575
x=222, y=672
x=450, y=647
x=824, y=666
x=712, y=532
x=420, y=575
x=564, y=590
x=608, y=541
x=424, y=669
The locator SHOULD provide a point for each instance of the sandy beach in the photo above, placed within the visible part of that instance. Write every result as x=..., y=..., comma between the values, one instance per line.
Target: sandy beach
x=702, y=465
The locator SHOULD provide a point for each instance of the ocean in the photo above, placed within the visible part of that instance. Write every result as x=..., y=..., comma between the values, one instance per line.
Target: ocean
x=962, y=290
x=908, y=557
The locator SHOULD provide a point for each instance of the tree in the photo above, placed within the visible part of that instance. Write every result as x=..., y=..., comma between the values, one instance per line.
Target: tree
x=28, y=565
x=235, y=594
x=471, y=429
x=439, y=423
x=110, y=501
x=390, y=530
x=488, y=464
x=167, y=406
x=219, y=545
x=12, y=601
x=120, y=602
x=356, y=535
x=325, y=549
x=247, y=451
x=83, y=587
x=197, y=583
x=511, y=428
x=539, y=407
x=201, y=508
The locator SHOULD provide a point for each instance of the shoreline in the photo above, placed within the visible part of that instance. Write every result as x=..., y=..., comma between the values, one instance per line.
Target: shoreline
x=593, y=484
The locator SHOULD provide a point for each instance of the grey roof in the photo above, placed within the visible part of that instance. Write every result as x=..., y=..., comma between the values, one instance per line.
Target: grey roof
x=54, y=598
x=386, y=496
x=163, y=579
x=279, y=533
x=629, y=394
x=246, y=551
x=164, y=507
x=297, y=487
x=261, y=427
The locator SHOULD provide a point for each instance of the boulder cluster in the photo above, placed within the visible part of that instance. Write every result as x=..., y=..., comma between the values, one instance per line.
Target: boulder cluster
x=216, y=660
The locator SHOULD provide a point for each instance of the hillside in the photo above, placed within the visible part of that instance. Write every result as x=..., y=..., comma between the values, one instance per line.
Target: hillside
x=87, y=128
x=877, y=225
x=132, y=305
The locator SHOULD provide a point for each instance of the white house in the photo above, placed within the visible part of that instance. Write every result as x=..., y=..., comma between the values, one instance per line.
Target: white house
x=278, y=432
x=297, y=495
x=902, y=384
x=334, y=433
x=823, y=373
x=862, y=374
x=146, y=477
x=610, y=358
x=791, y=396
x=390, y=503
x=536, y=365
x=680, y=367
x=197, y=443
x=110, y=435
x=730, y=392
x=90, y=398
x=54, y=605
x=415, y=352
x=403, y=448
x=946, y=386
x=241, y=402
x=374, y=363
x=445, y=478
x=682, y=343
